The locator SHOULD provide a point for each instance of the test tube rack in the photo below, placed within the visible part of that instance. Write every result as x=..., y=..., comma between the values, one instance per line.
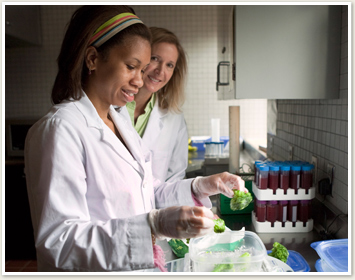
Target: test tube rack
x=267, y=195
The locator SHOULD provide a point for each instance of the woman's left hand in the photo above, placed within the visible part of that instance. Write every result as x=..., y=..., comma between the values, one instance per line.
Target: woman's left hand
x=203, y=187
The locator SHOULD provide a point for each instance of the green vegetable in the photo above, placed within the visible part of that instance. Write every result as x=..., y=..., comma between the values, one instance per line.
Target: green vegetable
x=244, y=267
x=223, y=267
x=240, y=200
x=279, y=251
x=178, y=247
x=219, y=225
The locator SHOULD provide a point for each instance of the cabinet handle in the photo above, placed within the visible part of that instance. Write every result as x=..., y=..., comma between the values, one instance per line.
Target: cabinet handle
x=222, y=63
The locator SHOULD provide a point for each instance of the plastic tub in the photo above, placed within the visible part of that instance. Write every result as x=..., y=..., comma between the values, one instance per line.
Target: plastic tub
x=212, y=251
x=333, y=254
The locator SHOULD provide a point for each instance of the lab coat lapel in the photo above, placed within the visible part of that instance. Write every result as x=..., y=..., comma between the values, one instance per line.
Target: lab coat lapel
x=94, y=121
x=154, y=126
x=130, y=137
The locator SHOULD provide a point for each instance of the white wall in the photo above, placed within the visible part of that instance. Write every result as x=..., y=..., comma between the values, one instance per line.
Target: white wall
x=30, y=72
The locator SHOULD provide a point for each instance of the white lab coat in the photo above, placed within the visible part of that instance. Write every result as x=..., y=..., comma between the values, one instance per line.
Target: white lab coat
x=89, y=197
x=166, y=137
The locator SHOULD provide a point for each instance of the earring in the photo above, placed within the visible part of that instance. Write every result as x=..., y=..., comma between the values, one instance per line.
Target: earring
x=89, y=71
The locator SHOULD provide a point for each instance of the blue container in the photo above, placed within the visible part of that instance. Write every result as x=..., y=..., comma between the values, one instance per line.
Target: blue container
x=333, y=255
x=296, y=261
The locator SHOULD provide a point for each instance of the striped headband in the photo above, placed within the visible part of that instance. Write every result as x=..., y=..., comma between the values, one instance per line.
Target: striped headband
x=111, y=27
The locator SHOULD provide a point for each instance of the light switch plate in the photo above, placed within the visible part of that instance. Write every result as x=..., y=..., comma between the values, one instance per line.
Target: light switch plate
x=315, y=174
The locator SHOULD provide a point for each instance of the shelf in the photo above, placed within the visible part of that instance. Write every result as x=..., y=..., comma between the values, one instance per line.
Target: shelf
x=267, y=194
x=265, y=227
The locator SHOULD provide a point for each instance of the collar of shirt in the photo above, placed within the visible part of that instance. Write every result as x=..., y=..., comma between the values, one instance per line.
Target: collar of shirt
x=142, y=120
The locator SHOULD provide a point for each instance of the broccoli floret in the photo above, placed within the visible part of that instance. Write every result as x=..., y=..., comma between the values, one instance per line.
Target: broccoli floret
x=223, y=267
x=244, y=267
x=279, y=251
x=219, y=225
x=246, y=254
x=240, y=200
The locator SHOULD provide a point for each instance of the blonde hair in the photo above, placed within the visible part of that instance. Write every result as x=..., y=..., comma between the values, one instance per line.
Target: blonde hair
x=172, y=95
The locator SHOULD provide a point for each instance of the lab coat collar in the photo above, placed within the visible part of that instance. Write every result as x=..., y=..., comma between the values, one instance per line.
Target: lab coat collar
x=89, y=112
x=155, y=124
x=93, y=119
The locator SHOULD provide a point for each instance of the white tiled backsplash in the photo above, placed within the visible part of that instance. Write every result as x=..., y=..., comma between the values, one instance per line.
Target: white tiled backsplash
x=30, y=72
x=319, y=128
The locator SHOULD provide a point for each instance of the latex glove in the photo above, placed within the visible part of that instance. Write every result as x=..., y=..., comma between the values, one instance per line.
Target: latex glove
x=203, y=187
x=181, y=222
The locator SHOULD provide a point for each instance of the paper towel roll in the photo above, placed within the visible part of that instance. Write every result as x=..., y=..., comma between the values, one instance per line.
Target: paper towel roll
x=215, y=130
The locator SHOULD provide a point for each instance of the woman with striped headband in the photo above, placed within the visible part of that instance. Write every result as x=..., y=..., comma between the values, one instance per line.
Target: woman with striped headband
x=94, y=202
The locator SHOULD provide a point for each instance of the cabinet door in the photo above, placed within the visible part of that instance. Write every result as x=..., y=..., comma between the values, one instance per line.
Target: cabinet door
x=22, y=25
x=224, y=84
x=287, y=51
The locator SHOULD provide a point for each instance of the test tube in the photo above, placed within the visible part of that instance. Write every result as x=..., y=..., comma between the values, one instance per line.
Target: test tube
x=274, y=171
x=285, y=177
x=307, y=176
x=295, y=177
x=271, y=212
x=292, y=212
x=263, y=176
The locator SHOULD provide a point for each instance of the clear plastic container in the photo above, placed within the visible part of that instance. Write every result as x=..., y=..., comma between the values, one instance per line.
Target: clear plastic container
x=285, y=177
x=263, y=176
x=214, y=149
x=292, y=211
x=333, y=254
x=295, y=177
x=307, y=176
x=282, y=215
x=210, y=251
x=260, y=210
x=274, y=177
x=271, y=212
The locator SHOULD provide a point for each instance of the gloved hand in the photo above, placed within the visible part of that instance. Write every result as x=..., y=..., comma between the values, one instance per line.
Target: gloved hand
x=181, y=222
x=219, y=183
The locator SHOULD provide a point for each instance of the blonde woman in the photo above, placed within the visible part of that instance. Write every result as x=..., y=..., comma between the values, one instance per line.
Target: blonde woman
x=156, y=110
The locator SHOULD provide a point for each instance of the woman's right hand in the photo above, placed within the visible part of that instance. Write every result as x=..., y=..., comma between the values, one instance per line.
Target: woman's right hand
x=181, y=222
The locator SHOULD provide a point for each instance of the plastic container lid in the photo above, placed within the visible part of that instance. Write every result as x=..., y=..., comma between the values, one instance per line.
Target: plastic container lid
x=296, y=261
x=264, y=167
x=274, y=167
x=283, y=202
x=296, y=167
x=307, y=167
x=285, y=167
x=333, y=253
x=272, y=202
x=293, y=202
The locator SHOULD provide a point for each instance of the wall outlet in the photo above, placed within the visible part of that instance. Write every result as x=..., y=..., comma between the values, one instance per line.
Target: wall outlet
x=315, y=172
x=271, y=146
x=330, y=171
x=290, y=152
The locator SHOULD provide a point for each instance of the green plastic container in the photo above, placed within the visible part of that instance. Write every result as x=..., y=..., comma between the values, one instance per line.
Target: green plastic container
x=223, y=203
